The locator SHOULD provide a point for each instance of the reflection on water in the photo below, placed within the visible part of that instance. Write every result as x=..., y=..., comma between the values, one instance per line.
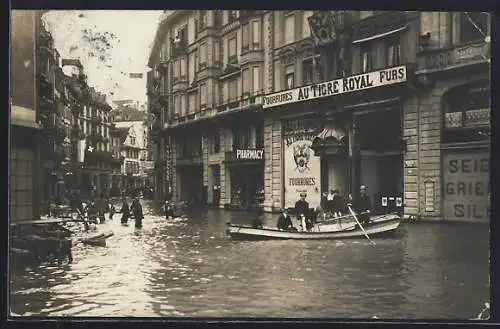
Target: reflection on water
x=190, y=268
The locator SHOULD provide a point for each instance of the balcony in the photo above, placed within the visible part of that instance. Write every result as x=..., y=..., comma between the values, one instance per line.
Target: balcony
x=467, y=119
x=457, y=57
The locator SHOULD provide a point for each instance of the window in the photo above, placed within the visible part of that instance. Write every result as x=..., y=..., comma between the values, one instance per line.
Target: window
x=177, y=70
x=473, y=26
x=202, y=20
x=216, y=53
x=183, y=104
x=393, y=52
x=177, y=105
x=183, y=69
x=203, y=55
x=256, y=34
x=241, y=137
x=245, y=36
x=132, y=140
x=366, y=58
x=192, y=103
x=259, y=136
x=289, y=28
x=232, y=49
x=232, y=15
x=215, y=142
x=203, y=95
x=217, y=14
x=232, y=90
x=306, y=31
x=256, y=80
x=192, y=67
x=307, y=71
x=247, y=81
x=289, y=77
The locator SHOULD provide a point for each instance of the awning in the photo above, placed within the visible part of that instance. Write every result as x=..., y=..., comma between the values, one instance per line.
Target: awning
x=331, y=140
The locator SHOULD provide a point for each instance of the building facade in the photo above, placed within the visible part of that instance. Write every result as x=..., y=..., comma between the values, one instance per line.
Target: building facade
x=24, y=173
x=259, y=106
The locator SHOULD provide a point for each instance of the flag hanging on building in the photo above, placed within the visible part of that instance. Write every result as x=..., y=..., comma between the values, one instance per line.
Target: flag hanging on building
x=322, y=26
x=135, y=75
x=81, y=150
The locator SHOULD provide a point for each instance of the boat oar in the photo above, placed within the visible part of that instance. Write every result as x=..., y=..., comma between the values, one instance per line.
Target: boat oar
x=360, y=226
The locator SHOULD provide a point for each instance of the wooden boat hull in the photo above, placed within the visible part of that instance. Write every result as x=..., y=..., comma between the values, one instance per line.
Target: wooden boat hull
x=383, y=226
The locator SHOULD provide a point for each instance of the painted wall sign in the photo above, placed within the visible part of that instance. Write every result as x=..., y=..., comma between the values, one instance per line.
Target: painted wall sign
x=466, y=185
x=353, y=83
x=249, y=154
x=302, y=169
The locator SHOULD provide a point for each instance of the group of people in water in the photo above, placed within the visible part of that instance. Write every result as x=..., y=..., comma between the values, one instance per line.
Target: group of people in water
x=96, y=209
x=333, y=205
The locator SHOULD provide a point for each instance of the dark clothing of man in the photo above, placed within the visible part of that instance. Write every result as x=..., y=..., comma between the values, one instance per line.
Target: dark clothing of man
x=125, y=212
x=284, y=222
x=257, y=222
x=363, y=205
x=136, y=209
x=338, y=204
x=301, y=207
x=169, y=210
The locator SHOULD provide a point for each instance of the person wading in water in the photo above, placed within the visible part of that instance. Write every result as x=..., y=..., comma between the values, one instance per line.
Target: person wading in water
x=125, y=210
x=136, y=209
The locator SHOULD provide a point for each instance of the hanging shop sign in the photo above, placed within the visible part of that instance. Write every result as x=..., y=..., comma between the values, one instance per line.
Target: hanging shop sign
x=249, y=154
x=466, y=179
x=385, y=77
x=302, y=169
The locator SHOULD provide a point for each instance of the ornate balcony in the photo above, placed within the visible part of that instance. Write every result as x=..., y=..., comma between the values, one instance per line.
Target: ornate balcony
x=457, y=57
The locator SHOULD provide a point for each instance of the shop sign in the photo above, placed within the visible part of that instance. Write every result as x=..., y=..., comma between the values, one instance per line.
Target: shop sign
x=385, y=77
x=466, y=185
x=245, y=155
x=302, y=169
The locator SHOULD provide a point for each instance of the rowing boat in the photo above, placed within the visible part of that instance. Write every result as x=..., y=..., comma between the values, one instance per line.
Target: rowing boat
x=378, y=226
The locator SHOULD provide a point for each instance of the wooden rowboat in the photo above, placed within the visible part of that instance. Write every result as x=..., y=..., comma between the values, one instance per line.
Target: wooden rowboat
x=379, y=226
x=97, y=240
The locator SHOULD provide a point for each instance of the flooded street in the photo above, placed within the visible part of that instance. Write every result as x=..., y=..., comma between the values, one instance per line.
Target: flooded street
x=191, y=268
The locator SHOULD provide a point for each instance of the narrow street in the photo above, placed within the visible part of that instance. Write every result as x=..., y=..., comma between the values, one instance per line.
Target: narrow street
x=190, y=268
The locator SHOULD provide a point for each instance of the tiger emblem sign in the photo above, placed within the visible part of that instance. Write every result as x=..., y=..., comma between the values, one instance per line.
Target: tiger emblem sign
x=302, y=169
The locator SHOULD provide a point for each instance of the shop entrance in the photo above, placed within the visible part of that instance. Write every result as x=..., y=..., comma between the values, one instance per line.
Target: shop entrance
x=215, y=182
x=247, y=185
x=379, y=136
x=191, y=184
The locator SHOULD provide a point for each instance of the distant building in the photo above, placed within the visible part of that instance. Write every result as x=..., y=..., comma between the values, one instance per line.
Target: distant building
x=128, y=113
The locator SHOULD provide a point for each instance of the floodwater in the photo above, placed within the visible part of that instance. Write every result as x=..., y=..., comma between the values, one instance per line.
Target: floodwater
x=190, y=267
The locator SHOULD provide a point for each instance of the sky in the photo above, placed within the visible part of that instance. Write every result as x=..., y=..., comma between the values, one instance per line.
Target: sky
x=128, y=52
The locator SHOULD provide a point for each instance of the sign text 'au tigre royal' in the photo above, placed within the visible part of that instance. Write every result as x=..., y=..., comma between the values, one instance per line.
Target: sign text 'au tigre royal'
x=353, y=83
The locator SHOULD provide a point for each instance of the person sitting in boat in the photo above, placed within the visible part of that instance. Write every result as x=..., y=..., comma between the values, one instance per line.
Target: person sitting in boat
x=136, y=209
x=125, y=210
x=257, y=222
x=338, y=205
x=285, y=221
x=364, y=205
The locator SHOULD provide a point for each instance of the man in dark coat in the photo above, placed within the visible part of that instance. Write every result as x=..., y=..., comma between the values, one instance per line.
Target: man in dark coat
x=257, y=222
x=302, y=207
x=285, y=222
x=364, y=205
x=136, y=209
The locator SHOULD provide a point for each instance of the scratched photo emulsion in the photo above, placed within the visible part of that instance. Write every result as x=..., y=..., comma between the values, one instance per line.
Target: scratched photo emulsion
x=250, y=163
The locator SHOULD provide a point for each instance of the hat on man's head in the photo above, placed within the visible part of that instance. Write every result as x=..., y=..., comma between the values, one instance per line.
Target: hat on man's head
x=363, y=187
x=303, y=194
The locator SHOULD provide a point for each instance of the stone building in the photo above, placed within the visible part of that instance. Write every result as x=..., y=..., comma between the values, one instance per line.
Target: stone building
x=256, y=106
x=25, y=130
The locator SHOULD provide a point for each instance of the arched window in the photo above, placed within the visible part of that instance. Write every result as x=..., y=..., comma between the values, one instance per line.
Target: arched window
x=466, y=111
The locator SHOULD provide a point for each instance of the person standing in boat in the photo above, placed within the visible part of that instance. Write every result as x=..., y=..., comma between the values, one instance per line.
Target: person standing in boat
x=338, y=204
x=136, y=209
x=125, y=210
x=285, y=221
x=302, y=211
x=364, y=205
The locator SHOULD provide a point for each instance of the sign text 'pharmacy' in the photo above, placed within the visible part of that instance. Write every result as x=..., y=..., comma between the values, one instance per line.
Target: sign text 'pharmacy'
x=249, y=154
x=358, y=82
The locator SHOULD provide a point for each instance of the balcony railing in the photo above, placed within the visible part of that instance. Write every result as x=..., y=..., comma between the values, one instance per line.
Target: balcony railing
x=457, y=56
x=468, y=119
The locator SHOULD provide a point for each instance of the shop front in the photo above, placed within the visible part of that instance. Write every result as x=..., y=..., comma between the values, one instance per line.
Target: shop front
x=466, y=152
x=352, y=137
x=246, y=176
x=190, y=180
